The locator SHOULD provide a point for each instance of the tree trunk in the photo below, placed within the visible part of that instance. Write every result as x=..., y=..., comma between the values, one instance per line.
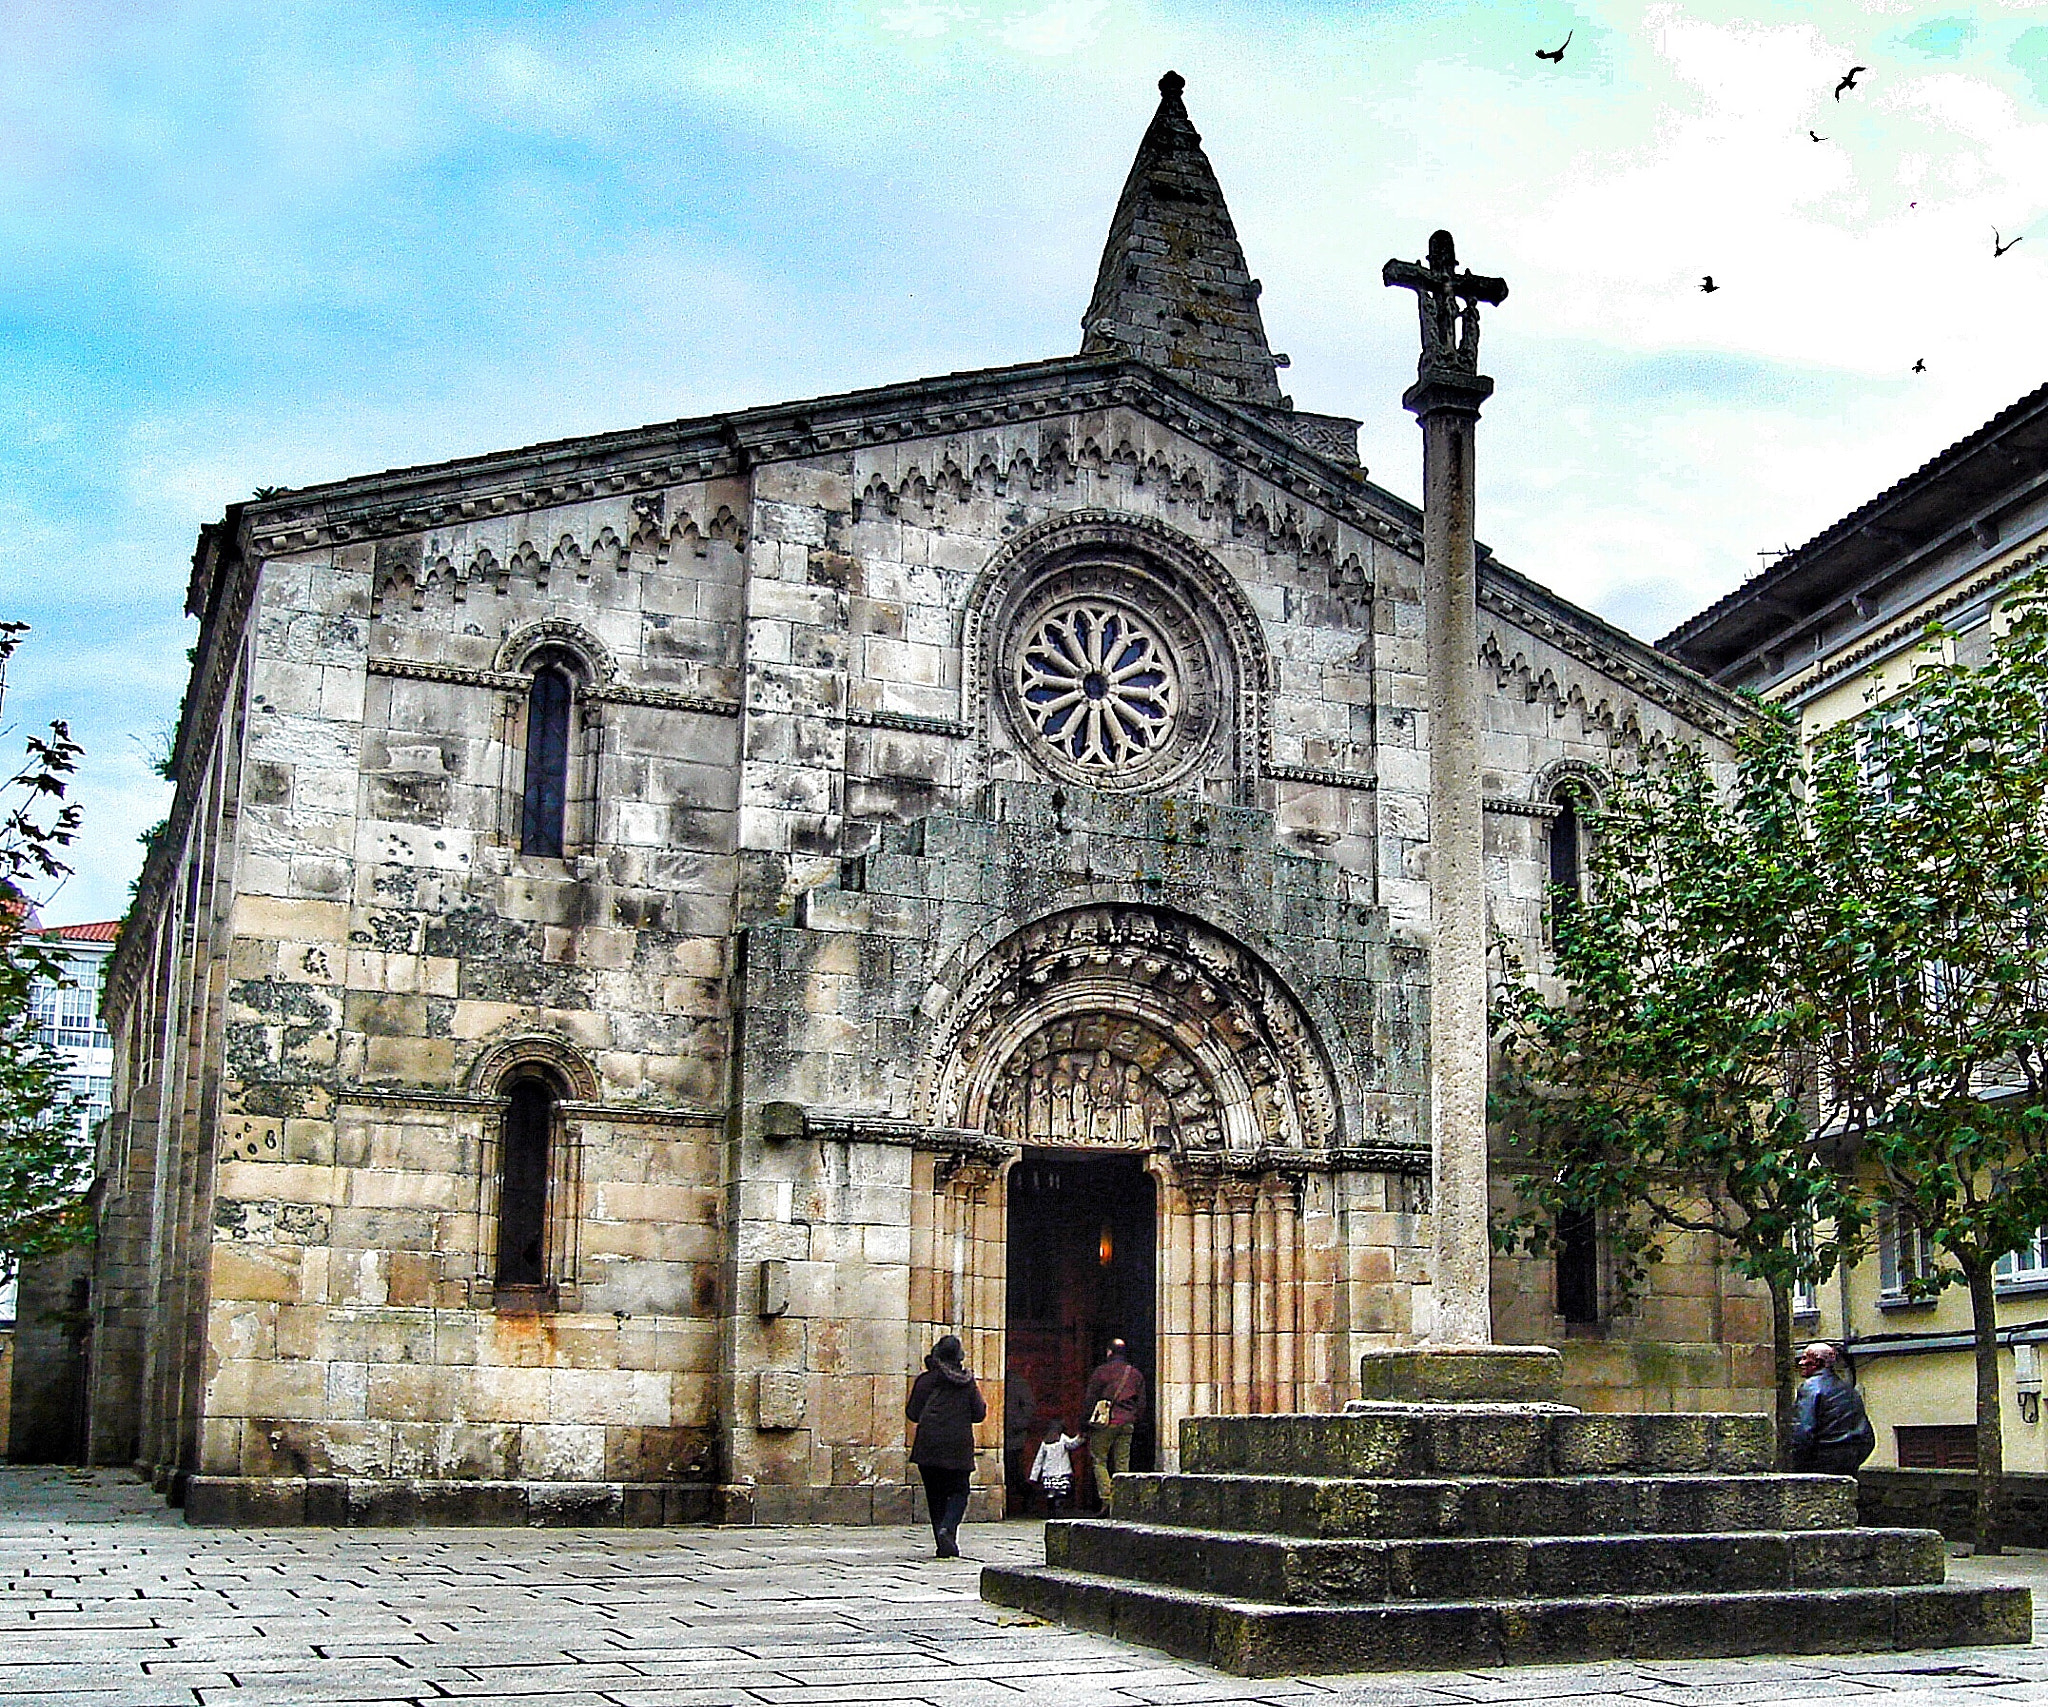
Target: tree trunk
x=1990, y=1425
x=1785, y=1381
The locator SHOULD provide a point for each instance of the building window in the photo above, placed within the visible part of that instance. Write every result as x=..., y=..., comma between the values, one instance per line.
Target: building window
x=2027, y=1266
x=1905, y=1258
x=1567, y=836
x=1805, y=1290
x=1099, y=685
x=524, y=1156
x=548, y=705
x=1578, y=1266
x=1943, y=1446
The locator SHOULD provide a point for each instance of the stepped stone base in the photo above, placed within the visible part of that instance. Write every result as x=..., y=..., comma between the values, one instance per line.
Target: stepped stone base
x=1445, y=1534
x=1257, y=1640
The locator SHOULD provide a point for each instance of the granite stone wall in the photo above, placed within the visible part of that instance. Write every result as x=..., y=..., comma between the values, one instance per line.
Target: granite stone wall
x=835, y=894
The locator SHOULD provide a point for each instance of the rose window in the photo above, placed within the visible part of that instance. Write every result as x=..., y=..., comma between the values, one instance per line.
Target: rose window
x=1097, y=684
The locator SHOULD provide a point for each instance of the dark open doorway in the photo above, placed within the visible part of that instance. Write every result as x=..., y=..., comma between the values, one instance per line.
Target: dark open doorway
x=1081, y=1274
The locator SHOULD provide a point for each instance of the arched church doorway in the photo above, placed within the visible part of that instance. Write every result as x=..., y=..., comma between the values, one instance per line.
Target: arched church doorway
x=1082, y=1267
x=1139, y=1061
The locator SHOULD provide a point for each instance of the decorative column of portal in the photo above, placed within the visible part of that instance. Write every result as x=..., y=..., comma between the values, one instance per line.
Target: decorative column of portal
x=1445, y=398
x=1241, y=1195
x=1202, y=1292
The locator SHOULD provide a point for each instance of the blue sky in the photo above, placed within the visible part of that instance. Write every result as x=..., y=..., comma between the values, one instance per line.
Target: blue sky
x=248, y=246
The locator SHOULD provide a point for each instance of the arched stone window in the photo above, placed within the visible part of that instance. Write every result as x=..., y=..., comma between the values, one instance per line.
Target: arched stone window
x=1566, y=849
x=525, y=1167
x=550, y=703
x=1572, y=790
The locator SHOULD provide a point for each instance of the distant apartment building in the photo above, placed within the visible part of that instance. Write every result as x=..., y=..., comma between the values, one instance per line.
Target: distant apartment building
x=41, y=1330
x=1829, y=631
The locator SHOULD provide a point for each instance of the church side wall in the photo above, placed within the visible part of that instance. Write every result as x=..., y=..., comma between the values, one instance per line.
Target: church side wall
x=396, y=958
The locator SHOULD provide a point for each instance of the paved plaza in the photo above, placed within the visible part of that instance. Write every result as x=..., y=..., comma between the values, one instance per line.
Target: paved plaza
x=107, y=1598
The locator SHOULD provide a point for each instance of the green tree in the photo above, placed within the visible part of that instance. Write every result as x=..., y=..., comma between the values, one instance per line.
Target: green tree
x=1932, y=819
x=45, y=1164
x=1662, y=1080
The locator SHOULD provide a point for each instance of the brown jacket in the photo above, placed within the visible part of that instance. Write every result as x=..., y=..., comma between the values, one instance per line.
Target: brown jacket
x=1119, y=1381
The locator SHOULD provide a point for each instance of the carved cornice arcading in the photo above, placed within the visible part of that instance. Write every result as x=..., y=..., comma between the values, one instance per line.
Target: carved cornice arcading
x=411, y=568
x=1661, y=681
x=1610, y=712
x=954, y=473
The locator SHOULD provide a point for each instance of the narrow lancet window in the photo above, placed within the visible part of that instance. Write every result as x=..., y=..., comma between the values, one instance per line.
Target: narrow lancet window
x=547, y=761
x=1578, y=1266
x=523, y=1184
x=1564, y=851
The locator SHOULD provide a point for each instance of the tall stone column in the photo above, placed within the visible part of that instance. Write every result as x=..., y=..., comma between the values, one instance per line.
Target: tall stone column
x=1445, y=399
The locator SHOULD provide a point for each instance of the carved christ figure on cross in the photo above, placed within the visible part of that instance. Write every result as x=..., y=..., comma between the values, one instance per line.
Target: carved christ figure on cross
x=1449, y=304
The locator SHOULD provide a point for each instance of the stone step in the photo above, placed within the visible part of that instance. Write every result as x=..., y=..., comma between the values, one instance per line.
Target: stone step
x=1300, y=1572
x=1488, y=1505
x=1253, y=1640
x=1478, y=1440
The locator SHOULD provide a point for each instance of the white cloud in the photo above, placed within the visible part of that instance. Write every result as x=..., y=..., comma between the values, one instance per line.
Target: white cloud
x=436, y=232
x=1061, y=27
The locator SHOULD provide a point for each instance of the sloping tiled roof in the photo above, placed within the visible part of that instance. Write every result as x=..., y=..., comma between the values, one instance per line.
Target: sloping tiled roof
x=105, y=930
x=1902, y=516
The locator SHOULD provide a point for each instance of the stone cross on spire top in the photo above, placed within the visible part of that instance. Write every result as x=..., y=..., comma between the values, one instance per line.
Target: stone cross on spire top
x=1448, y=301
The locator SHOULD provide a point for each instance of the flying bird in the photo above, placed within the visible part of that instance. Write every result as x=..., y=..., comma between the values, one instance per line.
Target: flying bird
x=1848, y=79
x=1920, y=366
x=1816, y=135
x=1556, y=54
x=1998, y=248
x=1707, y=283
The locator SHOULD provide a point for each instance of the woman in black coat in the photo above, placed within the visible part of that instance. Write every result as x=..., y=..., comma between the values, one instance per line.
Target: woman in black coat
x=945, y=1404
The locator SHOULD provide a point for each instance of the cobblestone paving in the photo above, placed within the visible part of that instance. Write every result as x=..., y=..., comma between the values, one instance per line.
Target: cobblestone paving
x=107, y=1598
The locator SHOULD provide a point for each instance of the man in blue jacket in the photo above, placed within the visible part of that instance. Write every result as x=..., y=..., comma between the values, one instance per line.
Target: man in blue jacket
x=1831, y=1432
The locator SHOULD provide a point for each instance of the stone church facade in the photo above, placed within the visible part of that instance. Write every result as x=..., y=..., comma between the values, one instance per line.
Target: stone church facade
x=655, y=928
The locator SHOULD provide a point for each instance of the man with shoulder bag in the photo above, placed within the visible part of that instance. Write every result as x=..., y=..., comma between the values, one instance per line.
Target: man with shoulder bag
x=1114, y=1405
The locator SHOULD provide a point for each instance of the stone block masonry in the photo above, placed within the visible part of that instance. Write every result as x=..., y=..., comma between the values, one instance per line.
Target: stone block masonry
x=608, y=877
x=1456, y=1535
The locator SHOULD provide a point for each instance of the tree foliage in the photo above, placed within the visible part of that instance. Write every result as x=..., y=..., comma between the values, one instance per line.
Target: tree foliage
x=45, y=1164
x=1932, y=821
x=1661, y=1079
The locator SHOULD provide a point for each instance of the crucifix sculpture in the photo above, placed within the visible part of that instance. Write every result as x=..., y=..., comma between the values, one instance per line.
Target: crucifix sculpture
x=1445, y=398
x=1448, y=301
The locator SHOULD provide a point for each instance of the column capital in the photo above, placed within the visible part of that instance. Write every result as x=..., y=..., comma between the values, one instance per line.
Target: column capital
x=1446, y=391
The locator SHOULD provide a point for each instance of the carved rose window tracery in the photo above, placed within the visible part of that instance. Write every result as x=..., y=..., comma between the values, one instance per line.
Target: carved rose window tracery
x=1098, y=685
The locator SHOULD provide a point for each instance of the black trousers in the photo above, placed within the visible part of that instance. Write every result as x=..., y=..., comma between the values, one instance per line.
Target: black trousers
x=945, y=1492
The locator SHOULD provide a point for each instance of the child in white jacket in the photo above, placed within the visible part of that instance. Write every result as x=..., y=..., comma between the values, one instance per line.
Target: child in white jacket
x=1053, y=1468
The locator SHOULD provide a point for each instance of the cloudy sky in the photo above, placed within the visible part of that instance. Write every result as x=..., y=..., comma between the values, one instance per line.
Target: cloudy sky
x=273, y=245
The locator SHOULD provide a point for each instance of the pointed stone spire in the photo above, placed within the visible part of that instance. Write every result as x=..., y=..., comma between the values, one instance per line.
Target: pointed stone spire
x=1173, y=289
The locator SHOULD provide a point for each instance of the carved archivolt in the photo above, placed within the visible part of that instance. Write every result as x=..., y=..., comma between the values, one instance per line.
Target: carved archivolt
x=1589, y=780
x=956, y=474
x=412, y=568
x=1130, y=1025
x=599, y=669
x=494, y=1069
